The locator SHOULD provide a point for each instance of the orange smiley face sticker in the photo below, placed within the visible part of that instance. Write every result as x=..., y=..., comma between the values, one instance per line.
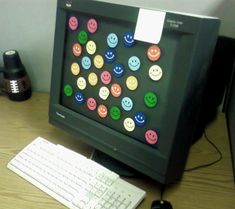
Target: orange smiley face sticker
x=77, y=49
x=116, y=90
x=102, y=111
x=153, y=53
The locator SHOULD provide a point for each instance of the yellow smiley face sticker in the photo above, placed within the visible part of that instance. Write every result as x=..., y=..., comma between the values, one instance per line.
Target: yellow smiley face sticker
x=92, y=79
x=132, y=83
x=75, y=68
x=98, y=61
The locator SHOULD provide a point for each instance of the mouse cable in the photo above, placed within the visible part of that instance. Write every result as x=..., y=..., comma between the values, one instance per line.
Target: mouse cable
x=163, y=186
x=211, y=163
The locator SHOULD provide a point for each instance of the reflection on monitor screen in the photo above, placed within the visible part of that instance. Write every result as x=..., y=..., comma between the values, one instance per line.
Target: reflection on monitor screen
x=133, y=100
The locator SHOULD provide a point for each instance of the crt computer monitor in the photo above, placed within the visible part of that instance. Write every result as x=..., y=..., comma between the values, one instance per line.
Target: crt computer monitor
x=122, y=91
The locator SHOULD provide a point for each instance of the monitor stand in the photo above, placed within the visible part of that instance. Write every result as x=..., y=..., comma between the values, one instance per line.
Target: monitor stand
x=114, y=165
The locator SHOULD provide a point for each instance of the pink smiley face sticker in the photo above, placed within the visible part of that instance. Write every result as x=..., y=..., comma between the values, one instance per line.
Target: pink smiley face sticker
x=116, y=90
x=151, y=137
x=92, y=25
x=105, y=77
x=91, y=103
x=102, y=111
x=73, y=23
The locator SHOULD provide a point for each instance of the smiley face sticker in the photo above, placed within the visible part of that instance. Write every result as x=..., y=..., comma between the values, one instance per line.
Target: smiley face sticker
x=81, y=83
x=102, y=111
x=132, y=83
x=127, y=103
x=92, y=79
x=92, y=25
x=110, y=55
x=98, y=61
x=134, y=63
x=153, y=53
x=128, y=39
x=82, y=37
x=73, y=23
x=86, y=62
x=68, y=90
x=150, y=99
x=104, y=92
x=155, y=72
x=91, y=47
x=77, y=49
x=75, y=68
x=118, y=70
x=91, y=103
x=129, y=124
x=140, y=119
x=112, y=40
x=151, y=137
x=116, y=90
x=105, y=77
x=79, y=98
x=115, y=113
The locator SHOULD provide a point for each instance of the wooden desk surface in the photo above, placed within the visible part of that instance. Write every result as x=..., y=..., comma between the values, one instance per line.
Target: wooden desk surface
x=21, y=122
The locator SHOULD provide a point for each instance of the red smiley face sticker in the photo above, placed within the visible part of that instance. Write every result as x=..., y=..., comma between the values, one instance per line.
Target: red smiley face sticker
x=153, y=53
x=151, y=137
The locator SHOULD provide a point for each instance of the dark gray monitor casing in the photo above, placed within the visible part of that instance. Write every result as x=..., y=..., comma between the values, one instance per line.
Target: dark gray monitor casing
x=196, y=39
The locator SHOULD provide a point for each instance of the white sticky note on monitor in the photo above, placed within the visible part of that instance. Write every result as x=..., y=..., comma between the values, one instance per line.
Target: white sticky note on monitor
x=149, y=26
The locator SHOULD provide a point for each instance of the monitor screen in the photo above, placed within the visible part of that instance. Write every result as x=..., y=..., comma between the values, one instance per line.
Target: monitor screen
x=128, y=81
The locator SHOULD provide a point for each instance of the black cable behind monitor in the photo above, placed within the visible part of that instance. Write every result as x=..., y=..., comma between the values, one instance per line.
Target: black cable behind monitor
x=220, y=156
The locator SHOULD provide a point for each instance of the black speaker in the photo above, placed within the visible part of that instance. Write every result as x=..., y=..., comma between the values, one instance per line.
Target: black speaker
x=218, y=80
x=229, y=105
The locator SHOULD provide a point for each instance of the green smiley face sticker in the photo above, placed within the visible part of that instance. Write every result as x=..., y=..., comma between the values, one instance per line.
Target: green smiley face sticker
x=82, y=37
x=115, y=113
x=68, y=90
x=150, y=99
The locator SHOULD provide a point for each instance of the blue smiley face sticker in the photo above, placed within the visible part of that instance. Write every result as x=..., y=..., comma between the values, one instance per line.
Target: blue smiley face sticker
x=86, y=63
x=140, y=119
x=112, y=40
x=118, y=70
x=128, y=39
x=134, y=63
x=110, y=55
x=79, y=98
x=127, y=103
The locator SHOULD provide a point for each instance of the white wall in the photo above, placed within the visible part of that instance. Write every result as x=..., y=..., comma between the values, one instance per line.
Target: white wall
x=28, y=26
x=224, y=9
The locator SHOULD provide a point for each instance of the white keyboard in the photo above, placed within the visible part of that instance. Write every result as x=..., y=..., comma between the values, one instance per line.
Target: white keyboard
x=72, y=179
